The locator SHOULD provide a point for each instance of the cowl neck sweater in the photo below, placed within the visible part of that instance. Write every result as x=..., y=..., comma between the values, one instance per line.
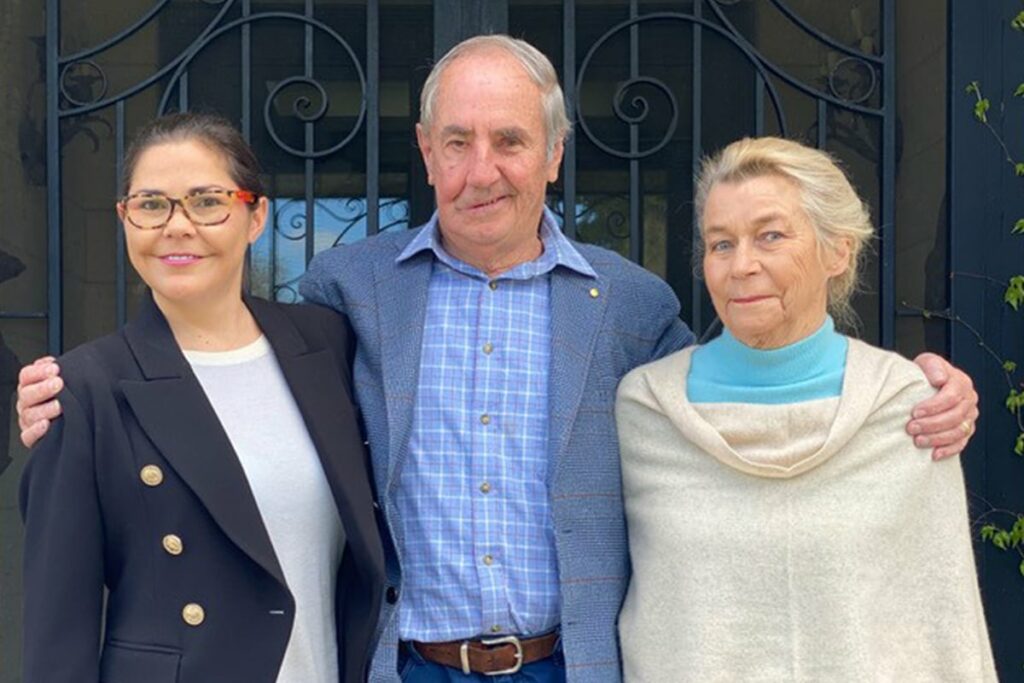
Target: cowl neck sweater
x=726, y=370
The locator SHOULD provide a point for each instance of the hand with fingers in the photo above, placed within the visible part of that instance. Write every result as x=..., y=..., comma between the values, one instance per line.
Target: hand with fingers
x=945, y=422
x=38, y=386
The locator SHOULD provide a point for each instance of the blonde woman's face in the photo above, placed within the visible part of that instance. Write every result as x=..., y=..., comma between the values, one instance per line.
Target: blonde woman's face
x=767, y=277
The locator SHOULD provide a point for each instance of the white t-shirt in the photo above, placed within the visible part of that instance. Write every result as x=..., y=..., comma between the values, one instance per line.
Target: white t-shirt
x=255, y=406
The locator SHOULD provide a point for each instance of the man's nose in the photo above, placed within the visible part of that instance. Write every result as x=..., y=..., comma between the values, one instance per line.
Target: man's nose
x=483, y=168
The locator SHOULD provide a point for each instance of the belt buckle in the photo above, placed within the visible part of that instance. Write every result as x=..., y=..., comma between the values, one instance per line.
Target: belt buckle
x=489, y=642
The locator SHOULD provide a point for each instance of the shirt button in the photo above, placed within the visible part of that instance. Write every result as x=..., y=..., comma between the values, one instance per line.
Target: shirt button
x=496, y=629
x=488, y=560
x=485, y=487
x=493, y=284
x=594, y=293
x=173, y=544
x=485, y=419
x=488, y=347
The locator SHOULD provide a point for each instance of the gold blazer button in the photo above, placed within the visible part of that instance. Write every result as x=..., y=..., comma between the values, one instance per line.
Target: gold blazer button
x=173, y=544
x=151, y=475
x=193, y=614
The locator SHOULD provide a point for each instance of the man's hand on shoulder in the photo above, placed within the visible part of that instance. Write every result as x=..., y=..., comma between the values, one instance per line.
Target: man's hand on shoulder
x=944, y=422
x=38, y=384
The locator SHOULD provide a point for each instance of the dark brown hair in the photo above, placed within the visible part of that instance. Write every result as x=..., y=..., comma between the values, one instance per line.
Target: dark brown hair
x=214, y=131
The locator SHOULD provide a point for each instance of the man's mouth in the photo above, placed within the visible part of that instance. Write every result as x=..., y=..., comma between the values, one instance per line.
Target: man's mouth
x=487, y=204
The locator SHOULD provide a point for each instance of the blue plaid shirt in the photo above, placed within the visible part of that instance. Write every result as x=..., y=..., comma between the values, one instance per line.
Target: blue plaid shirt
x=479, y=553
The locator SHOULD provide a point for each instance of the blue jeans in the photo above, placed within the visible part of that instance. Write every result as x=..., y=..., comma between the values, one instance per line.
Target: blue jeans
x=415, y=669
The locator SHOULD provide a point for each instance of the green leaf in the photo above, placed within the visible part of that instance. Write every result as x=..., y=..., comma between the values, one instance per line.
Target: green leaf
x=1009, y=366
x=1019, y=92
x=1015, y=292
x=987, y=531
x=1019, y=447
x=973, y=87
x=1001, y=539
x=1019, y=168
x=1018, y=22
x=980, y=109
x=1021, y=567
x=1018, y=227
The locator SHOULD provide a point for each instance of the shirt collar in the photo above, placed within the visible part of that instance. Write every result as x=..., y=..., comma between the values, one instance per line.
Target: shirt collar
x=558, y=251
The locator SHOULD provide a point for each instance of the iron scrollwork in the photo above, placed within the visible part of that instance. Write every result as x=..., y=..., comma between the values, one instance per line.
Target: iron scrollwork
x=640, y=103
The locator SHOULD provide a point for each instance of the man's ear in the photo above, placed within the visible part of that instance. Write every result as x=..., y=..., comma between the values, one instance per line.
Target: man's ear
x=555, y=161
x=426, y=150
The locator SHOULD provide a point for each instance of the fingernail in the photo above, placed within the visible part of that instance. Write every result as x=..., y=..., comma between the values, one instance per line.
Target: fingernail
x=53, y=384
x=914, y=428
x=52, y=370
x=917, y=413
x=922, y=442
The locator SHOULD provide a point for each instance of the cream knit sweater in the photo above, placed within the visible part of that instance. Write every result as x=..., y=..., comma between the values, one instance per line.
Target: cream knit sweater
x=801, y=542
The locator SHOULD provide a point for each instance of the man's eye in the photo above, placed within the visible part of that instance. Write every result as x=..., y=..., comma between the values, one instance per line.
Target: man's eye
x=720, y=245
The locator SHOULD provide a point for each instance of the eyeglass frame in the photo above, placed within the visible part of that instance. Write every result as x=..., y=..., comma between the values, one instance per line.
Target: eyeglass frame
x=247, y=197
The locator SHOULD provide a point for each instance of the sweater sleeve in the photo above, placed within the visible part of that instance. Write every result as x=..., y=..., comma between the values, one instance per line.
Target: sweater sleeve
x=63, y=557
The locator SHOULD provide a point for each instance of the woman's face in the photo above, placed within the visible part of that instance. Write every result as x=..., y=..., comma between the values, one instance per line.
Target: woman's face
x=183, y=263
x=767, y=278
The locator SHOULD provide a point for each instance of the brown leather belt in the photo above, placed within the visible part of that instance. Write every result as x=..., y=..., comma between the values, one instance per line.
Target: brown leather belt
x=489, y=656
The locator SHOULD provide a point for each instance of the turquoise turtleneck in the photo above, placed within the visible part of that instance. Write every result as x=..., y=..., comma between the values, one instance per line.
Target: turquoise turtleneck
x=727, y=371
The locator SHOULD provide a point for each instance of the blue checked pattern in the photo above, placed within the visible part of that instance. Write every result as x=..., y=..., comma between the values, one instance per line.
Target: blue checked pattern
x=479, y=553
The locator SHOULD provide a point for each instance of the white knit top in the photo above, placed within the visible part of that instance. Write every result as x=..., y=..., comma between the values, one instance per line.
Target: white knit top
x=799, y=542
x=252, y=400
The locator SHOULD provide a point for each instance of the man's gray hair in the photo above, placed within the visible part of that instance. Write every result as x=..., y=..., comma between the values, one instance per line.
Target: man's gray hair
x=537, y=67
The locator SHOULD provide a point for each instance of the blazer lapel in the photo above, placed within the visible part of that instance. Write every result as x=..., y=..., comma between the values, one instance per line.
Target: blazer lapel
x=576, y=317
x=173, y=410
x=402, y=289
x=314, y=377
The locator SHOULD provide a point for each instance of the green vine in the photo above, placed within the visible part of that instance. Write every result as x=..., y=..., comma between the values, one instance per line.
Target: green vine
x=1008, y=535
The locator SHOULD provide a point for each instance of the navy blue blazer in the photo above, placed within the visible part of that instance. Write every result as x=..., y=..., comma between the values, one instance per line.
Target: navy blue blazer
x=601, y=328
x=138, y=490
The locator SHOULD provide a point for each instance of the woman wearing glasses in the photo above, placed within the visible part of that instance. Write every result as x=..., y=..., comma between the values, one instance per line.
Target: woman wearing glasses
x=208, y=470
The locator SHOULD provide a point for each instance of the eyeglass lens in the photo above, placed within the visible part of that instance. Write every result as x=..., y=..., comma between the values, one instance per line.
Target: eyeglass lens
x=154, y=210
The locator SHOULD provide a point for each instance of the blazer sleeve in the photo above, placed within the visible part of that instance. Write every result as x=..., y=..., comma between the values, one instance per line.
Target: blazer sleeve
x=63, y=557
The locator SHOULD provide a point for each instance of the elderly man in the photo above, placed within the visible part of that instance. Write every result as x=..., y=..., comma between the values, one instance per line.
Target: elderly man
x=489, y=350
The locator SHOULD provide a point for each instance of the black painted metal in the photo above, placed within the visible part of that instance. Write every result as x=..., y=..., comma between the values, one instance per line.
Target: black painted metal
x=569, y=87
x=54, y=257
x=851, y=85
x=454, y=20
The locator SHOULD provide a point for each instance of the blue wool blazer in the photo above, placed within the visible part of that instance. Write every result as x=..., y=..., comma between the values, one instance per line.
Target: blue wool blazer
x=601, y=328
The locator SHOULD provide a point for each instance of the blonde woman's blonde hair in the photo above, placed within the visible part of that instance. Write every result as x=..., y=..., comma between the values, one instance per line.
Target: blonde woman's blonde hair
x=835, y=210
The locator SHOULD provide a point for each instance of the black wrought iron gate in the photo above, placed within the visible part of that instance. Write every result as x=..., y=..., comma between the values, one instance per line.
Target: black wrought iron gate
x=328, y=94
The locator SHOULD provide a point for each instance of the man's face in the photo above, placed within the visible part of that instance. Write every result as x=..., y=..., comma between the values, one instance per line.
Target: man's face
x=486, y=159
